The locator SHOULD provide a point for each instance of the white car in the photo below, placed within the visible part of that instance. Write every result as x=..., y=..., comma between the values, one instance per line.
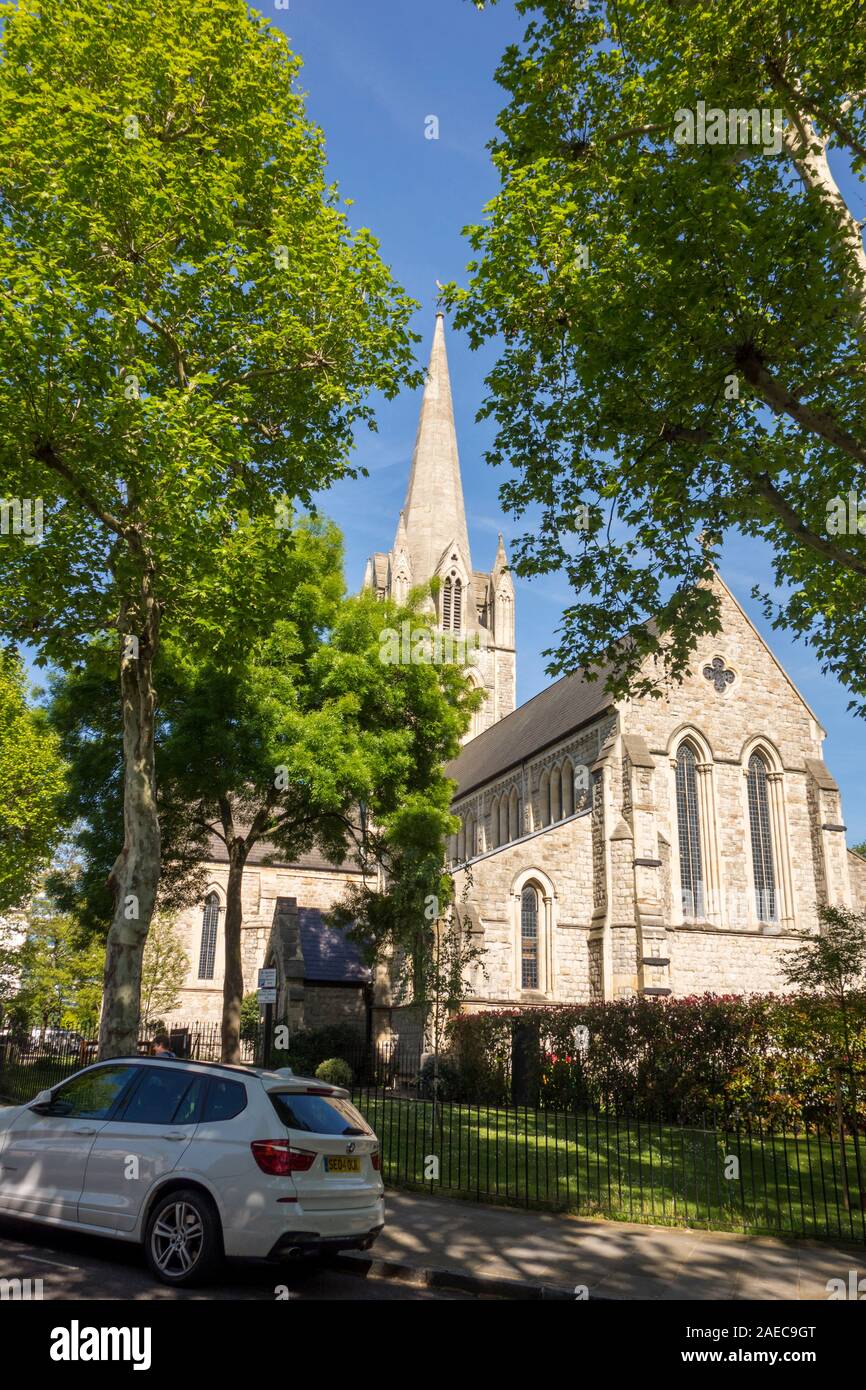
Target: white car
x=196, y=1160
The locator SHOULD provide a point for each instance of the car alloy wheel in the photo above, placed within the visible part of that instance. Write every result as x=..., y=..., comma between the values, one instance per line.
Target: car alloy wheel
x=183, y=1243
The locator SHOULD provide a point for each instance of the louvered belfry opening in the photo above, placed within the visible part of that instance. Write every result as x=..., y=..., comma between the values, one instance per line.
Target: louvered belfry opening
x=446, y=603
x=452, y=604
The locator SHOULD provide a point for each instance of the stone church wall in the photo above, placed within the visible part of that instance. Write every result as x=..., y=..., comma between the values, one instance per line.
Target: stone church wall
x=613, y=873
x=857, y=873
x=728, y=962
x=557, y=859
x=201, y=1000
x=760, y=704
x=328, y=1005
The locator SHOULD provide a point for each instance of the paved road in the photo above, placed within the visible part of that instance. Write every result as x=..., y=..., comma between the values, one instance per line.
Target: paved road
x=78, y=1266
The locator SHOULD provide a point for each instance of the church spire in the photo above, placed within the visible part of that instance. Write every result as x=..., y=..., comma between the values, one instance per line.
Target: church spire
x=434, y=513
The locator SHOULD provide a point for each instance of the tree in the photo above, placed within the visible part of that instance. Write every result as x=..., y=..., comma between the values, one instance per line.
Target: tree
x=834, y=961
x=309, y=726
x=83, y=710
x=834, y=964
x=190, y=334
x=164, y=969
x=675, y=260
x=60, y=977
x=31, y=780
x=278, y=736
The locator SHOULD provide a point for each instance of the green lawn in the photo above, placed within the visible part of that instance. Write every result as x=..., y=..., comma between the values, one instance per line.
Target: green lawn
x=595, y=1165
x=660, y=1174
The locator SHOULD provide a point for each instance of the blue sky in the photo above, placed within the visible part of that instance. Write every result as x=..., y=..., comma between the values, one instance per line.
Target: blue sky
x=374, y=72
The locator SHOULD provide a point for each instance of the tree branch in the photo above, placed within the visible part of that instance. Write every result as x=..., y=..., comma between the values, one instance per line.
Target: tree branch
x=44, y=452
x=169, y=337
x=797, y=527
x=782, y=402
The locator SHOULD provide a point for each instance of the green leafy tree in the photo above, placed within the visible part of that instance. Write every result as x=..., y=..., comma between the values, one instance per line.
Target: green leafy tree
x=191, y=331
x=280, y=737
x=11, y=936
x=314, y=739
x=682, y=298
x=31, y=780
x=164, y=968
x=834, y=961
x=59, y=975
x=251, y=1016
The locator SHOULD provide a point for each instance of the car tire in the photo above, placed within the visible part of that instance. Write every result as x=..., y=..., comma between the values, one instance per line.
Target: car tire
x=183, y=1239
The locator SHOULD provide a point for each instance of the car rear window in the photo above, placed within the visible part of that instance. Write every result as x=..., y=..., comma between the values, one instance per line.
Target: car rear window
x=318, y=1114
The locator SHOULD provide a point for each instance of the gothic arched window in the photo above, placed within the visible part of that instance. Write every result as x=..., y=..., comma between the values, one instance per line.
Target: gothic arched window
x=567, y=789
x=529, y=938
x=494, y=824
x=555, y=795
x=503, y=819
x=762, y=840
x=470, y=837
x=544, y=797
x=504, y=620
x=689, y=828
x=457, y=610
x=209, y=924
x=514, y=815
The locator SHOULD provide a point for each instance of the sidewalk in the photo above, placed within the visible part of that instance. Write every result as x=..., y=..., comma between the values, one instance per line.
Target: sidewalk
x=613, y=1259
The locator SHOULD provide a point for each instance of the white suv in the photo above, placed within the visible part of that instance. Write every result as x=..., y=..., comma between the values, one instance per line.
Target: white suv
x=197, y=1160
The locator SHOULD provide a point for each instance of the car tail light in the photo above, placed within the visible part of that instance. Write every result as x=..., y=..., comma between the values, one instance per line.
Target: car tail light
x=376, y=1160
x=277, y=1157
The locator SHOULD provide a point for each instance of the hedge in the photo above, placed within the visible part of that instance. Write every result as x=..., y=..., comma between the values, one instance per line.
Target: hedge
x=770, y=1057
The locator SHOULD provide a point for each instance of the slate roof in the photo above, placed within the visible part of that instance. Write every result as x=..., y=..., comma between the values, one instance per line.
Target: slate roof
x=545, y=719
x=313, y=859
x=329, y=957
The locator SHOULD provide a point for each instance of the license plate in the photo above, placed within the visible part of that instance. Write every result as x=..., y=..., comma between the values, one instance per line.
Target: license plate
x=334, y=1164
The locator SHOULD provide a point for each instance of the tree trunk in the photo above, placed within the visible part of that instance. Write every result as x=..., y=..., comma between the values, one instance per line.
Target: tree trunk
x=135, y=876
x=233, y=978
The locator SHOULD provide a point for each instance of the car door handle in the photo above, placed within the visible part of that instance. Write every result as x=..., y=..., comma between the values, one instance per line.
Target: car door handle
x=84, y=1131
x=175, y=1134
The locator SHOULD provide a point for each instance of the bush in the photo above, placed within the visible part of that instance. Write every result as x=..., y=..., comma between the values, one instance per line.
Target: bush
x=452, y=1084
x=769, y=1058
x=250, y=1017
x=335, y=1071
x=309, y=1047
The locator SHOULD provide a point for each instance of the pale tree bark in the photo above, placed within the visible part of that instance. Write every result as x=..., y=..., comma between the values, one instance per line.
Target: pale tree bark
x=134, y=878
x=808, y=152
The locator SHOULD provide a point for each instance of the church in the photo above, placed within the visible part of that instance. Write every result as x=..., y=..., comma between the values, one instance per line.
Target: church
x=607, y=848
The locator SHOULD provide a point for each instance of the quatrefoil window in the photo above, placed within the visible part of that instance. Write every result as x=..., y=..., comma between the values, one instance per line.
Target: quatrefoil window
x=720, y=675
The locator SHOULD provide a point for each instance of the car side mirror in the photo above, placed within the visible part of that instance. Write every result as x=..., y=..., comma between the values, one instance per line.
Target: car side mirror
x=42, y=1102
